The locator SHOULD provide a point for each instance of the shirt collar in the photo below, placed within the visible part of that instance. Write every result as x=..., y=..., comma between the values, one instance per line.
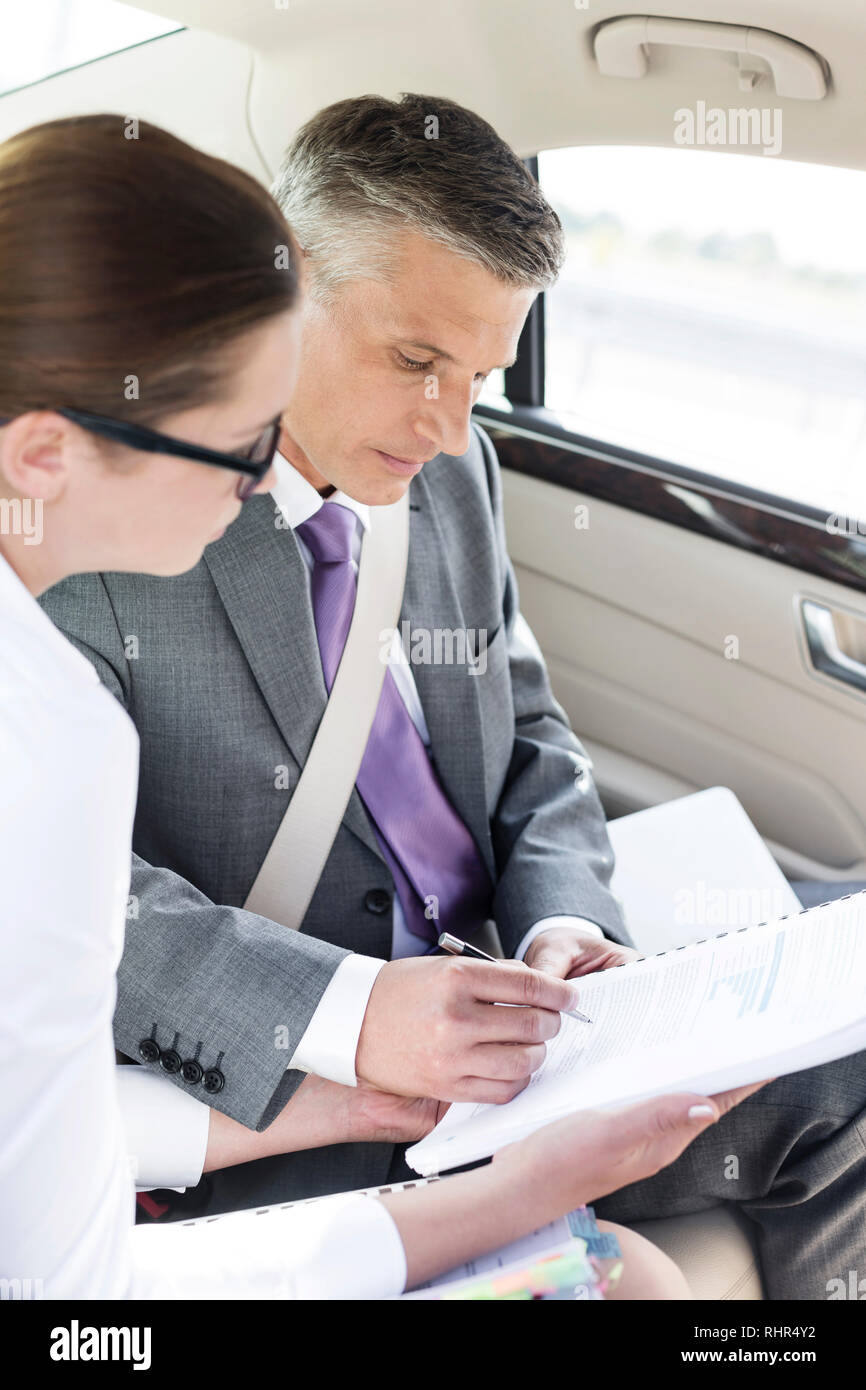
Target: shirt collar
x=298, y=500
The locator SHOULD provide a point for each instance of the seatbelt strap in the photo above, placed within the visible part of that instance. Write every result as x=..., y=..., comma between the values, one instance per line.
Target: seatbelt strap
x=299, y=851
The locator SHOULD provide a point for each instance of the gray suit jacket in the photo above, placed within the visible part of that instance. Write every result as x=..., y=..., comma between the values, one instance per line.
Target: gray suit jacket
x=220, y=671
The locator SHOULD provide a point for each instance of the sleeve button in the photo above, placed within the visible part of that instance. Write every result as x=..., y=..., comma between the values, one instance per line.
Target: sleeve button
x=191, y=1071
x=213, y=1081
x=148, y=1050
x=170, y=1061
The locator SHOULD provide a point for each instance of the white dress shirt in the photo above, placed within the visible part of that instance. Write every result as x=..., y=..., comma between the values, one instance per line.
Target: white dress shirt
x=166, y=1129
x=68, y=775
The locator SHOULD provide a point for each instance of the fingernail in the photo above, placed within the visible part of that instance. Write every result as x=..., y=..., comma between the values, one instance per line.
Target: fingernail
x=697, y=1112
x=575, y=998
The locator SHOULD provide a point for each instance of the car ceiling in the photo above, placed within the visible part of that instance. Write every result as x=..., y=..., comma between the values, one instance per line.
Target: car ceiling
x=528, y=66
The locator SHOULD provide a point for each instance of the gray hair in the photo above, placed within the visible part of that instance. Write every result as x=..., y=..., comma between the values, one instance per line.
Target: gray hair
x=366, y=169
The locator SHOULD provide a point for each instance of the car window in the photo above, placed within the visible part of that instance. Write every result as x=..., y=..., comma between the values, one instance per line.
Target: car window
x=41, y=38
x=494, y=388
x=712, y=313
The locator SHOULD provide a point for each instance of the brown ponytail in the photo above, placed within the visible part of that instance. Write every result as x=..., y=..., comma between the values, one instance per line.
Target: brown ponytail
x=128, y=267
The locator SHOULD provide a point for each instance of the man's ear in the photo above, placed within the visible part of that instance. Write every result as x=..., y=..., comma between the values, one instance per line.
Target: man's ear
x=34, y=455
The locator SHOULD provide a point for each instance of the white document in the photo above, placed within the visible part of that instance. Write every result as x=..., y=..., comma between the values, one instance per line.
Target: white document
x=692, y=868
x=745, y=1006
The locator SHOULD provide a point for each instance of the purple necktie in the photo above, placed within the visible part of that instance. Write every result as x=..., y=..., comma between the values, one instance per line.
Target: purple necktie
x=441, y=880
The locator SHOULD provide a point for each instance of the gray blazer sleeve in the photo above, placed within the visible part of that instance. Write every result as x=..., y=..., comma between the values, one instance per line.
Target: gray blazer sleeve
x=226, y=987
x=549, y=832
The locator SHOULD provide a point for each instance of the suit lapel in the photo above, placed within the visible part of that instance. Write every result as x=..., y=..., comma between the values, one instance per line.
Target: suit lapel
x=261, y=580
x=448, y=694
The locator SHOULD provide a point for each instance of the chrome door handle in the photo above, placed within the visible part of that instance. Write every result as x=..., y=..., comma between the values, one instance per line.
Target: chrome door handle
x=826, y=654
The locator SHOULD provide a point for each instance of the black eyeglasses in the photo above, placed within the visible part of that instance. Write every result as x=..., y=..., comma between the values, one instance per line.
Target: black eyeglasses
x=253, y=464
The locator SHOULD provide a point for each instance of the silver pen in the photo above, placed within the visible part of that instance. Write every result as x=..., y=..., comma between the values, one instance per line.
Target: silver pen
x=455, y=947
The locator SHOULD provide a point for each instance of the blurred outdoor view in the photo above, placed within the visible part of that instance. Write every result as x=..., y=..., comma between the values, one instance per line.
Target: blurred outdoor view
x=712, y=312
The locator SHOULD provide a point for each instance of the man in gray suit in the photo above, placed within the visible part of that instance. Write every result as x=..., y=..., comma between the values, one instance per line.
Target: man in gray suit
x=472, y=780
x=425, y=243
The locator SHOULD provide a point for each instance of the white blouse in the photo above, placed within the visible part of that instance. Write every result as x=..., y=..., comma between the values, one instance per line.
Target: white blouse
x=68, y=777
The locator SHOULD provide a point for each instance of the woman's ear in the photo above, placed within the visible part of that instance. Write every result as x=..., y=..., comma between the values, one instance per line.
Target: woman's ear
x=34, y=455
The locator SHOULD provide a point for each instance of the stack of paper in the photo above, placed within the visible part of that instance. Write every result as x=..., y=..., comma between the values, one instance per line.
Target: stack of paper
x=749, y=1005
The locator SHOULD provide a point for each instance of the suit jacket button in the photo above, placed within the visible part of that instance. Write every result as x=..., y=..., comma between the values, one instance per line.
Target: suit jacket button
x=213, y=1081
x=191, y=1071
x=170, y=1061
x=378, y=900
x=148, y=1050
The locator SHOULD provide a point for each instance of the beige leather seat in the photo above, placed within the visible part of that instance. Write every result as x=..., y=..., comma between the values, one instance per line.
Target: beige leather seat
x=714, y=1249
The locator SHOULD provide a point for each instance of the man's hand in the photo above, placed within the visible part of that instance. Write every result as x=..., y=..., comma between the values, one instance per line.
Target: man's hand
x=568, y=952
x=432, y=1028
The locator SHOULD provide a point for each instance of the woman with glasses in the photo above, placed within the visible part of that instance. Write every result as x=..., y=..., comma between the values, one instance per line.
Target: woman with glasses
x=148, y=344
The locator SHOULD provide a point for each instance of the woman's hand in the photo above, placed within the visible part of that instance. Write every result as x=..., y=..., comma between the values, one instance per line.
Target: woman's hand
x=323, y=1112
x=560, y=1167
x=378, y=1115
x=594, y=1152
